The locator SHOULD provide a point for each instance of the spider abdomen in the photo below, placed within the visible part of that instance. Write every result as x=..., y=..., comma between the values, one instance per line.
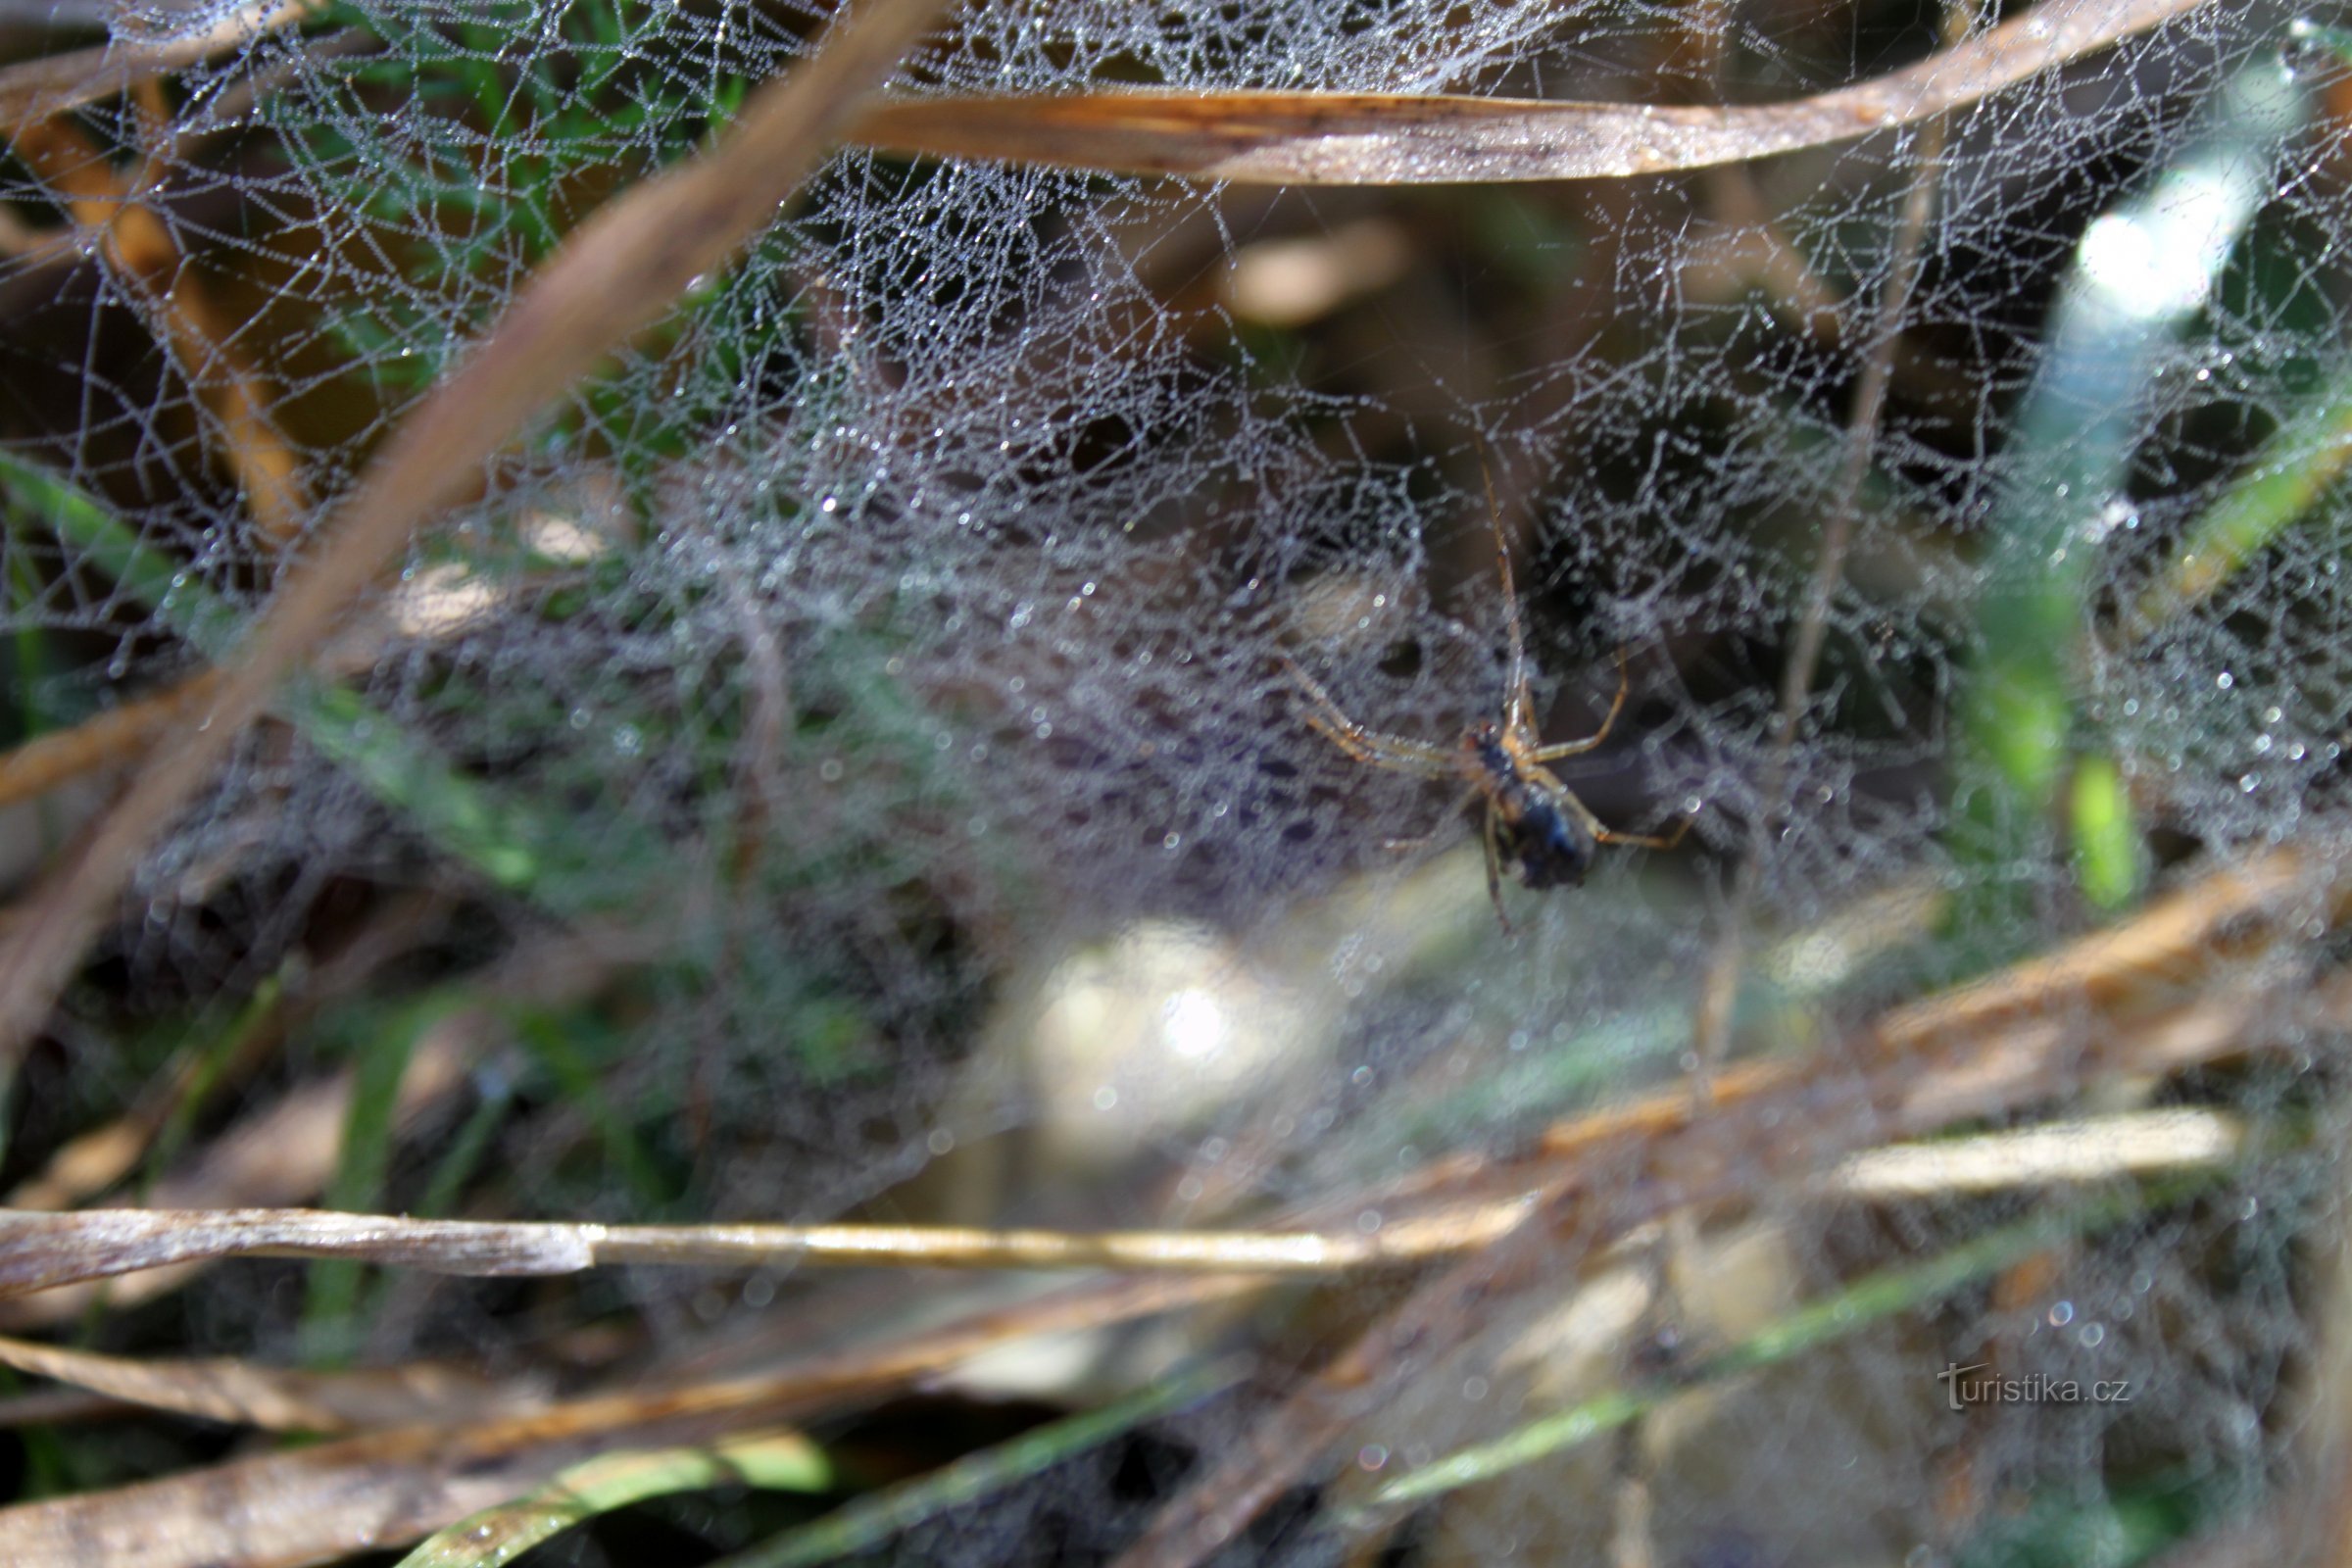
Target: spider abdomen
x=1544, y=845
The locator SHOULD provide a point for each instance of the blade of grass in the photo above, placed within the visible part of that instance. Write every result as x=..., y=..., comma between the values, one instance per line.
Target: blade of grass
x=2141, y=272
x=869, y=1522
x=313, y=1504
x=366, y=1154
x=550, y=1039
x=274, y=1398
x=506, y=841
x=41, y=1251
x=2107, y=863
x=30, y=646
x=209, y=1065
x=461, y=1154
x=2290, y=475
x=1867, y=1300
x=503, y=842
x=771, y=1461
x=156, y=1127
x=112, y=548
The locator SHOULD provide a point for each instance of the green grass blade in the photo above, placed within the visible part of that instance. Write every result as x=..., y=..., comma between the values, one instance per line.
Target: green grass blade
x=211, y=1062
x=580, y=1076
x=358, y=1183
x=462, y=1153
x=868, y=1522
x=503, y=842
x=770, y=1462
x=1867, y=1300
x=2143, y=272
x=2108, y=864
x=2292, y=474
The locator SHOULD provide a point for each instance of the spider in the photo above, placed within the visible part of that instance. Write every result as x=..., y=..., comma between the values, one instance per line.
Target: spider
x=1533, y=823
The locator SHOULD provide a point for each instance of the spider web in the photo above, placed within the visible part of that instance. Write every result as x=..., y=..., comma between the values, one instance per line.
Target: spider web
x=892, y=647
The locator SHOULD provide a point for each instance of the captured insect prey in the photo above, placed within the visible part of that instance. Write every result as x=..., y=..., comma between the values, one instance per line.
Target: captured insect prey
x=1535, y=826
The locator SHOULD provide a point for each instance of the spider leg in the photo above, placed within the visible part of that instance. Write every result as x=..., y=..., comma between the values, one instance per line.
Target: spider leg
x=1645, y=841
x=1552, y=754
x=1605, y=835
x=1395, y=752
x=1456, y=809
x=1520, y=704
x=1495, y=875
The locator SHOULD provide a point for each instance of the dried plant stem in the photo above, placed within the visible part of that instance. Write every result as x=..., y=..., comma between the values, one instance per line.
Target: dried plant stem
x=1289, y=138
x=38, y=89
x=312, y=1505
x=2142, y=969
x=117, y=736
x=40, y=1251
x=274, y=1399
x=143, y=255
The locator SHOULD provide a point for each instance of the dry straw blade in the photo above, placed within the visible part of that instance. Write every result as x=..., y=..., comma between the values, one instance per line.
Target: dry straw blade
x=274, y=1399
x=384, y=1488
x=40, y=1251
x=1299, y=138
x=39, y=89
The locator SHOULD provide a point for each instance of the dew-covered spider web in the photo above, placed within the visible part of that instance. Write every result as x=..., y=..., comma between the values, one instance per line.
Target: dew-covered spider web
x=852, y=759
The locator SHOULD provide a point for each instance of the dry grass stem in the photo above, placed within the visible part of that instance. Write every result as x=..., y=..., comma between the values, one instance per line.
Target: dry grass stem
x=41, y=1251
x=58, y=1408
x=393, y=1487
x=38, y=89
x=2093, y=1148
x=1287, y=138
x=108, y=739
x=216, y=1389
x=140, y=251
